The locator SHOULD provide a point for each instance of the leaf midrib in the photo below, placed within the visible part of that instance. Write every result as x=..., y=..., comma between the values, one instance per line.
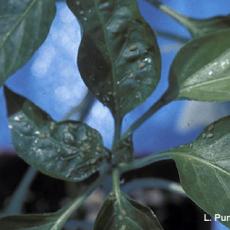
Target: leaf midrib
x=21, y=17
x=109, y=51
x=205, y=83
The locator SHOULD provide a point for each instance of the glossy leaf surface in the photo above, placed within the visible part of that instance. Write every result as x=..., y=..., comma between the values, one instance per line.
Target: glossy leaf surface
x=119, y=58
x=67, y=150
x=125, y=214
x=204, y=169
x=24, y=25
x=201, y=70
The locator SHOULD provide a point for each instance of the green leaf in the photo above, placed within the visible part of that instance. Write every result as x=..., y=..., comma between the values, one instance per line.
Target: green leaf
x=124, y=151
x=24, y=25
x=201, y=70
x=206, y=26
x=196, y=27
x=31, y=222
x=125, y=214
x=66, y=150
x=119, y=58
x=204, y=169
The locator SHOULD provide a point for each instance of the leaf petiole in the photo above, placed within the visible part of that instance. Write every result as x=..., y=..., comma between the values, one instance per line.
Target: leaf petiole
x=116, y=184
x=163, y=101
x=140, y=163
x=19, y=196
x=148, y=183
x=117, y=134
x=66, y=213
x=178, y=17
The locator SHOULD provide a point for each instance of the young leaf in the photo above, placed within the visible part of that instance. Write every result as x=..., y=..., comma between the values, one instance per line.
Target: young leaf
x=23, y=27
x=66, y=150
x=204, y=169
x=125, y=214
x=119, y=58
x=196, y=27
x=201, y=70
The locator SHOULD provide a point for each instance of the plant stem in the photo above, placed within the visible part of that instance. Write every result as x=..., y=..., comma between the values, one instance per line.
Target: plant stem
x=117, y=134
x=83, y=108
x=140, y=163
x=149, y=183
x=115, y=173
x=164, y=100
x=19, y=196
x=76, y=204
x=116, y=184
x=172, y=36
x=178, y=17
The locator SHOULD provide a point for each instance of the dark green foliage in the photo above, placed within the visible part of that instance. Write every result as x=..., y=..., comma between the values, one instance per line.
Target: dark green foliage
x=24, y=25
x=204, y=168
x=201, y=70
x=119, y=58
x=67, y=150
x=125, y=214
x=210, y=25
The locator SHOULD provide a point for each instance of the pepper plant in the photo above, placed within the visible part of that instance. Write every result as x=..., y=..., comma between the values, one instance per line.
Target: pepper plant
x=120, y=62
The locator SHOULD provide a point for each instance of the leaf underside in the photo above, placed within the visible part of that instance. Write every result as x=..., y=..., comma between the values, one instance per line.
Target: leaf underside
x=125, y=214
x=204, y=169
x=24, y=25
x=119, y=58
x=66, y=150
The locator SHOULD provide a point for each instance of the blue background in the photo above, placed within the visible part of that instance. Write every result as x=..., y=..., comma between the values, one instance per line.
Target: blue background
x=51, y=80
